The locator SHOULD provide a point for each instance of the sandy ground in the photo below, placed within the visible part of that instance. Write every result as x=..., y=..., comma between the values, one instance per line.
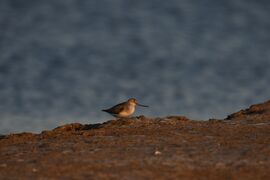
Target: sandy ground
x=145, y=148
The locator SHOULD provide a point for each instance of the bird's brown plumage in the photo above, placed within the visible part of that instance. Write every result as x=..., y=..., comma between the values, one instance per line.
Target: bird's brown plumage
x=124, y=109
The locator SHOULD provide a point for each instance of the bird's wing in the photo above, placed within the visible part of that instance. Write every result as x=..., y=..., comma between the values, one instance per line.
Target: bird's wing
x=116, y=109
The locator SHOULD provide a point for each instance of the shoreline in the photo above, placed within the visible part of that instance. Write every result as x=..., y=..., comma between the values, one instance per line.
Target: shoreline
x=173, y=147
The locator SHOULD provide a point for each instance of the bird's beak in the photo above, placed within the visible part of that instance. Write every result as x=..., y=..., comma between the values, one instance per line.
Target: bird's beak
x=142, y=105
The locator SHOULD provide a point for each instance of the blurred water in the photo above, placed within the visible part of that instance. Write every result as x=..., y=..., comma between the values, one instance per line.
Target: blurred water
x=62, y=61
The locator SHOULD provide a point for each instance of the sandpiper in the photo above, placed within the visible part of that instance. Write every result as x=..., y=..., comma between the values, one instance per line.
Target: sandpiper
x=124, y=109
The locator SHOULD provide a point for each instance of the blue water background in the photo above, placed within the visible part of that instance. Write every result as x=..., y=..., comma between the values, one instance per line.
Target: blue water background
x=63, y=61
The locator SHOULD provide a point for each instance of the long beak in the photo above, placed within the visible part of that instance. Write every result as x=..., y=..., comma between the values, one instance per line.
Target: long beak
x=142, y=105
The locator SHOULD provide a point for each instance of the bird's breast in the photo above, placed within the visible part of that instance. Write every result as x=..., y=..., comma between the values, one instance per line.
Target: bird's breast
x=127, y=111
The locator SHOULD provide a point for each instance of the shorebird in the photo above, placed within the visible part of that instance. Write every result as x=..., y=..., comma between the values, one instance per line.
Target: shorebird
x=124, y=109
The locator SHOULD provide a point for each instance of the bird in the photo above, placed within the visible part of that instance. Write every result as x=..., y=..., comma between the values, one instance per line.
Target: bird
x=124, y=109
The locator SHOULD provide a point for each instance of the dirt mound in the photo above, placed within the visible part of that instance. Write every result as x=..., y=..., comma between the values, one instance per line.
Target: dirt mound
x=119, y=123
x=257, y=113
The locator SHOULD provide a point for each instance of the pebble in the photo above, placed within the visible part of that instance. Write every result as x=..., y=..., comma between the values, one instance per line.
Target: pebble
x=157, y=152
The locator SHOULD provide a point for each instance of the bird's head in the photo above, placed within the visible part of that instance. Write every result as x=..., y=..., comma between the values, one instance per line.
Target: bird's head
x=134, y=102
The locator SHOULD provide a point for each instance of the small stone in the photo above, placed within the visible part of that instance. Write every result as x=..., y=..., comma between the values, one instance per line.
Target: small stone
x=34, y=170
x=157, y=152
